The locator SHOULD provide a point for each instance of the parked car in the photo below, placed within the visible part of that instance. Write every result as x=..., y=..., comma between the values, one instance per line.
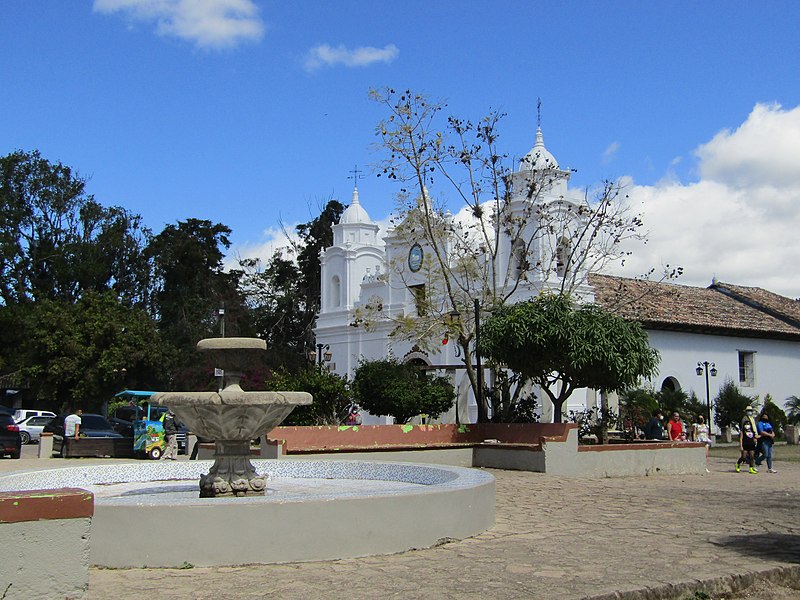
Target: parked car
x=10, y=441
x=30, y=429
x=91, y=426
x=23, y=413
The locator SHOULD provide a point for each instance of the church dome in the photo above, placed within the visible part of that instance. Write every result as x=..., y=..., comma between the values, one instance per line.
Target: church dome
x=539, y=158
x=354, y=213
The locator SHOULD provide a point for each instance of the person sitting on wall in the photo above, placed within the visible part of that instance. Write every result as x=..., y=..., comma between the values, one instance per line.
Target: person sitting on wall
x=675, y=428
x=654, y=430
x=353, y=418
x=701, y=433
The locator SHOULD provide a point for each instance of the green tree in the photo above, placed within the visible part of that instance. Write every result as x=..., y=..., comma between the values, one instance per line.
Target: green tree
x=512, y=401
x=389, y=387
x=315, y=236
x=776, y=414
x=191, y=284
x=793, y=410
x=693, y=408
x=730, y=405
x=71, y=354
x=637, y=406
x=273, y=294
x=57, y=242
x=561, y=347
x=331, y=392
x=284, y=293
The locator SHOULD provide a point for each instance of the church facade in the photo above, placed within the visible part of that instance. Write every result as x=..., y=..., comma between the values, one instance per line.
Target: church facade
x=386, y=274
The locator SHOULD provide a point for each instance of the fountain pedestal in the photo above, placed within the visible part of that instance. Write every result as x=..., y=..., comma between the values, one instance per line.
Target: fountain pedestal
x=232, y=472
x=232, y=418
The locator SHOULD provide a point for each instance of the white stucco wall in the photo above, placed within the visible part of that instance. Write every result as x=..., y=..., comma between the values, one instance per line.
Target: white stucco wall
x=775, y=364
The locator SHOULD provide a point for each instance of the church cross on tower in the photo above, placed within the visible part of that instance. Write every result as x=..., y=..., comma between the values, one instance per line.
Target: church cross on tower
x=356, y=175
x=539, y=113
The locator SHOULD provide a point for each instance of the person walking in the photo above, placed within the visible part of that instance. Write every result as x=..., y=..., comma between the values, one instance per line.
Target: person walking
x=766, y=440
x=171, y=436
x=747, y=441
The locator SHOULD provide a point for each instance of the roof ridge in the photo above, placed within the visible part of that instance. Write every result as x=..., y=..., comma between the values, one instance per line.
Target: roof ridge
x=754, y=303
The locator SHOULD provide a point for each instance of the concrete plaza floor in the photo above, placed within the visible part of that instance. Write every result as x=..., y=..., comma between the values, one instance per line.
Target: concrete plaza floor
x=554, y=539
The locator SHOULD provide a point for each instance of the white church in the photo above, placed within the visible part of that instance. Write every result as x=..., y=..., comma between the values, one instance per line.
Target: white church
x=732, y=332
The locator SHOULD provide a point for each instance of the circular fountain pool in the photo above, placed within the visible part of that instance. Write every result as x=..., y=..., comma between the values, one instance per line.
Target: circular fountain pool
x=149, y=514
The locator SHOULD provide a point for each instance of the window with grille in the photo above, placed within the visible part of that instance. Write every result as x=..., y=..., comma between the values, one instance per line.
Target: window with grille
x=747, y=368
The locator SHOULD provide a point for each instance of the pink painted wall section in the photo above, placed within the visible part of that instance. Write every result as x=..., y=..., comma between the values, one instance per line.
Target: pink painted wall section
x=41, y=505
x=392, y=437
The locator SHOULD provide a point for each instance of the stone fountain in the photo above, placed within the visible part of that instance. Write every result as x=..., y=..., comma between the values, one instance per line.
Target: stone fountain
x=231, y=417
x=304, y=497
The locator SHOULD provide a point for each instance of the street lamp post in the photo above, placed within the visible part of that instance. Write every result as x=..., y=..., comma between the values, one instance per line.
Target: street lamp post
x=323, y=353
x=479, y=394
x=707, y=367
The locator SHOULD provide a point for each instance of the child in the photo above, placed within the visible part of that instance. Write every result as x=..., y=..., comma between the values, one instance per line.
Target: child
x=747, y=442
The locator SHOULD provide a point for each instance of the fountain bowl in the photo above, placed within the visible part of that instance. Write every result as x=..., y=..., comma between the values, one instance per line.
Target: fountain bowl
x=231, y=352
x=231, y=414
x=313, y=510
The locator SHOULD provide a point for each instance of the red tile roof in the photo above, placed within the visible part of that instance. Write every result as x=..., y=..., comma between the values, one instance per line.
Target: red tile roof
x=778, y=306
x=722, y=309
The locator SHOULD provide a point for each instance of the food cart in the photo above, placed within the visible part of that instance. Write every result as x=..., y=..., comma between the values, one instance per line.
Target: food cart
x=148, y=430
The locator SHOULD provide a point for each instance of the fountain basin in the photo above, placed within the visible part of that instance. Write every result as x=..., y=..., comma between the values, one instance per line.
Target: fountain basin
x=148, y=514
x=231, y=414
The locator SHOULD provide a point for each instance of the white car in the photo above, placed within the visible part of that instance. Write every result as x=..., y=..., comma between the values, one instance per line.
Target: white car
x=30, y=429
x=23, y=413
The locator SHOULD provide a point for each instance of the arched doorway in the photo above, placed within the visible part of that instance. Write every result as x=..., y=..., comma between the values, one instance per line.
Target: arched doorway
x=670, y=384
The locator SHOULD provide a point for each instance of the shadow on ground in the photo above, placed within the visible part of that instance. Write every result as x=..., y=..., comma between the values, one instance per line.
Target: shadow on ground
x=782, y=547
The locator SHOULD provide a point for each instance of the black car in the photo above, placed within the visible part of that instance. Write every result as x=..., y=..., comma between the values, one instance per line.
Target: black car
x=10, y=440
x=91, y=426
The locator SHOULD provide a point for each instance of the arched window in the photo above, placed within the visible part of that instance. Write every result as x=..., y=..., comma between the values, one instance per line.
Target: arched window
x=336, y=292
x=563, y=250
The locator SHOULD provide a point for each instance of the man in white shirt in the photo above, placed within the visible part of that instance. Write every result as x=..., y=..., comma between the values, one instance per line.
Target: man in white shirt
x=72, y=424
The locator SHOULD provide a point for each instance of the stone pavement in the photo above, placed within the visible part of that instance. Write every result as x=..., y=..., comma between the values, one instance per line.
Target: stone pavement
x=554, y=539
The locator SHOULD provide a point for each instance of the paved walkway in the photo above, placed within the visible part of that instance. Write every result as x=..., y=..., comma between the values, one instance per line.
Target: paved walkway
x=554, y=539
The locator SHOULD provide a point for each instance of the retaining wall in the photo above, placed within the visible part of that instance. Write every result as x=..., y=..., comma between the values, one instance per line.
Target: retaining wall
x=46, y=533
x=539, y=447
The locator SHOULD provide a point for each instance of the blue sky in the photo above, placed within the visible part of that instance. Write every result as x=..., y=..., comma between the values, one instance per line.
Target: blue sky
x=253, y=112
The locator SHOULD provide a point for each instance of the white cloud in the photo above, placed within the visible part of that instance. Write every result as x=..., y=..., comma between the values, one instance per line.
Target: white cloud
x=330, y=56
x=610, y=152
x=274, y=238
x=763, y=149
x=739, y=222
x=206, y=23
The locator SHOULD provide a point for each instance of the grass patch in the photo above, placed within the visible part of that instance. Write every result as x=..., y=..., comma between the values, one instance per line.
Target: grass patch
x=780, y=453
